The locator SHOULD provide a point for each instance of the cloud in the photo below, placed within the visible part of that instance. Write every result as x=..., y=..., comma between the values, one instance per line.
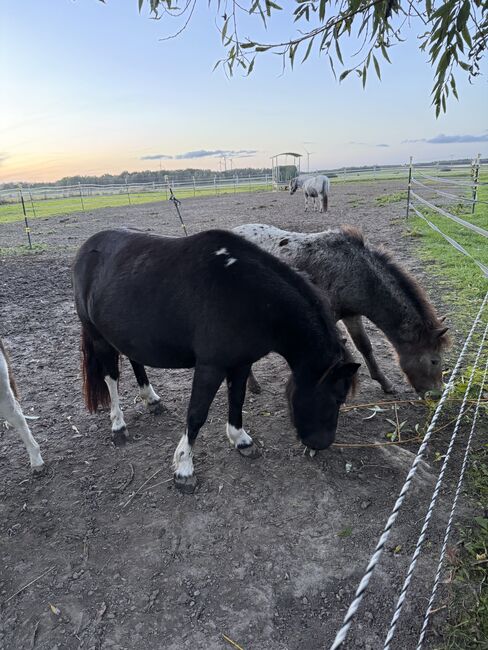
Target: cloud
x=3, y=157
x=216, y=153
x=382, y=145
x=157, y=156
x=367, y=144
x=451, y=139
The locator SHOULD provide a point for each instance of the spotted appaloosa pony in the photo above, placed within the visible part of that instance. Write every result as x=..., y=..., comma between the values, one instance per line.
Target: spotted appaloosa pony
x=211, y=301
x=10, y=410
x=315, y=187
x=360, y=280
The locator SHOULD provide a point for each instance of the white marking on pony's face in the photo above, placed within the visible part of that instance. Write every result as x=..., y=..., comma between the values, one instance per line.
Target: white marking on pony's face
x=238, y=437
x=222, y=251
x=116, y=414
x=183, y=458
x=230, y=261
x=148, y=394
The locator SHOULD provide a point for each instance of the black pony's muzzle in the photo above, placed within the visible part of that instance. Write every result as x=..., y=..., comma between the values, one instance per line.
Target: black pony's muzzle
x=318, y=441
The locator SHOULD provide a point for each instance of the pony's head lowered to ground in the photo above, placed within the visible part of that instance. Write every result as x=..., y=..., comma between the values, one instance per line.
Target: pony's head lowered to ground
x=314, y=409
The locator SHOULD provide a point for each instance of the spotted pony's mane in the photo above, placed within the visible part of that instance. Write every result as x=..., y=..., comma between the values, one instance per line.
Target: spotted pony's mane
x=406, y=282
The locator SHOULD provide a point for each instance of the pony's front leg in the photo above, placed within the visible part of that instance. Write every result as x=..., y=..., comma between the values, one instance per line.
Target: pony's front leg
x=236, y=388
x=11, y=411
x=361, y=340
x=146, y=391
x=306, y=202
x=206, y=382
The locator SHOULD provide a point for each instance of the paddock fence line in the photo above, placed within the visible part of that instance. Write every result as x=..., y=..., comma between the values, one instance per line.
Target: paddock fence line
x=467, y=191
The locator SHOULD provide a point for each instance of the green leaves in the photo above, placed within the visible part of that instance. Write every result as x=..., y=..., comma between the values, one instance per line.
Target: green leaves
x=454, y=33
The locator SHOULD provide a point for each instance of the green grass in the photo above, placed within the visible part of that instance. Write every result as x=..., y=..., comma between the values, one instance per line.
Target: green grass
x=386, y=199
x=10, y=212
x=459, y=279
x=462, y=284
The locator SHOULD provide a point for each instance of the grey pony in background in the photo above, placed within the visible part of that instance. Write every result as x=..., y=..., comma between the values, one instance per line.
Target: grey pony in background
x=360, y=280
x=315, y=187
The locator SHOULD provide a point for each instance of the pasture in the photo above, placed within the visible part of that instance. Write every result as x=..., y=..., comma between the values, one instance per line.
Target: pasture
x=267, y=552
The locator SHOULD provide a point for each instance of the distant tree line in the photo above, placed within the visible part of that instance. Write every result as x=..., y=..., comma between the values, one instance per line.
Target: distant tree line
x=149, y=176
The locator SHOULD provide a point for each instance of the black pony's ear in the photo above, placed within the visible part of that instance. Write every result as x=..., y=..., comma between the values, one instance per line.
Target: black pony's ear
x=346, y=371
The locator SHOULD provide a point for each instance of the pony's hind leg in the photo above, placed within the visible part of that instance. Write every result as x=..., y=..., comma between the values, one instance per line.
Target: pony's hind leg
x=253, y=384
x=11, y=411
x=146, y=391
x=206, y=382
x=101, y=372
x=236, y=389
x=361, y=340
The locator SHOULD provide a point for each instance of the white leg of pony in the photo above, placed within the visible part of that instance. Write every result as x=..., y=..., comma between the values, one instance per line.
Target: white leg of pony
x=306, y=202
x=11, y=411
x=183, y=459
x=116, y=415
x=238, y=437
x=148, y=395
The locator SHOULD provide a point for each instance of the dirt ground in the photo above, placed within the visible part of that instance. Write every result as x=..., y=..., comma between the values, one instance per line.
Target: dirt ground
x=267, y=552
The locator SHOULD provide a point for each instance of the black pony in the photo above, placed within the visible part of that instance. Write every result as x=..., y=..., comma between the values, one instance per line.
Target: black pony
x=215, y=302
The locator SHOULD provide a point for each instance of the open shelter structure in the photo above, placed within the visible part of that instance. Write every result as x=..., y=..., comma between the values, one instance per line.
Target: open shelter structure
x=283, y=170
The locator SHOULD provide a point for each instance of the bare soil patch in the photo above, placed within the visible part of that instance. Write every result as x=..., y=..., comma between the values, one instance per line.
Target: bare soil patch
x=268, y=552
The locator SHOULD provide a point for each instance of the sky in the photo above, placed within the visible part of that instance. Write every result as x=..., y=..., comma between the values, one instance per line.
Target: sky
x=90, y=88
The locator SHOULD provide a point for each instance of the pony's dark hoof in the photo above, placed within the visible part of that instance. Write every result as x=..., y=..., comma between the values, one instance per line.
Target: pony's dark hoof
x=38, y=471
x=254, y=387
x=389, y=389
x=156, y=408
x=120, y=437
x=185, y=484
x=251, y=451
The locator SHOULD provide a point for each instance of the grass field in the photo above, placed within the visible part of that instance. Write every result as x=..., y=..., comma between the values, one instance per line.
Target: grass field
x=464, y=286
x=50, y=207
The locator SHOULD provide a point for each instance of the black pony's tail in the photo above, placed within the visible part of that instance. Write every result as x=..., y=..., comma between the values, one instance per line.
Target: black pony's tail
x=95, y=391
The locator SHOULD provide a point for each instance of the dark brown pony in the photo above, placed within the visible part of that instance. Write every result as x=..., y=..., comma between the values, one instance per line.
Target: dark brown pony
x=211, y=301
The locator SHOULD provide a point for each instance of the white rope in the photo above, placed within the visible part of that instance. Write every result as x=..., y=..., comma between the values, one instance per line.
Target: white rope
x=428, y=516
x=452, y=241
x=451, y=516
x=462, y=222
x=448, y=194
x=450, y=181
x=363, y=585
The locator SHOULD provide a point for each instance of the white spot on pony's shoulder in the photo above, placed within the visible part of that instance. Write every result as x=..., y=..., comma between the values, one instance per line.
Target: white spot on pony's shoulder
x=222, y=251
x=230, y=261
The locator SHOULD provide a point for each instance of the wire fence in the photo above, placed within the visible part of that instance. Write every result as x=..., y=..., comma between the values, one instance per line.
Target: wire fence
x=467, y=191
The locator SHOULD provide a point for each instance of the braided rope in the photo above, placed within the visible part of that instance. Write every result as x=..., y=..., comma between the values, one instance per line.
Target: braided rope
x=430, y=511
x=451, y=181
x=363, y=585
x=451, y=516
x=452, y=241
x=448, y=194
x=453, y=217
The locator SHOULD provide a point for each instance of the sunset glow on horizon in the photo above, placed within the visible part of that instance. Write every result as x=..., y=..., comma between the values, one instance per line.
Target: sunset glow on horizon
x=90, y=89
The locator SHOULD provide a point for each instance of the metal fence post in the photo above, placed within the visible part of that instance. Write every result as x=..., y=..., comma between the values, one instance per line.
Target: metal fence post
x=128, y=193
x=249, y=182
x=194, y=188
x=32, y=202
x=215, y=185
x=81, y=197
x=476, y=175
x=409, y=186
x=27, y=229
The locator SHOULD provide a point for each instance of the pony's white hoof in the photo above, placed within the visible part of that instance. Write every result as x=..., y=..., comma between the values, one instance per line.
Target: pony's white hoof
x=250, y=451
x=185, y=484
x=120, y=437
